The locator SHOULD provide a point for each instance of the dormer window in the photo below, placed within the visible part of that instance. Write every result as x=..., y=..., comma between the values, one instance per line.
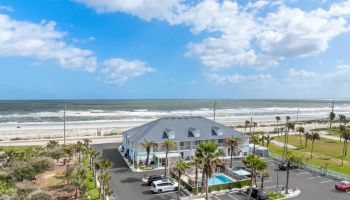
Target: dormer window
x=194, y=132
x=217, y=131
x=169, y=133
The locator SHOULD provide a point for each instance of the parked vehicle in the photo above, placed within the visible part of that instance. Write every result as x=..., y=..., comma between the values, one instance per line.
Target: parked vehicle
x=343, y=186
x=258, y=194
x=164, y=186
x=283, y=166
x=154, y=178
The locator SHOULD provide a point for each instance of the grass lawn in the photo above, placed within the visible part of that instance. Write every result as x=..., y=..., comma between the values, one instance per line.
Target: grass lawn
x=326, y=152
x=332, y=131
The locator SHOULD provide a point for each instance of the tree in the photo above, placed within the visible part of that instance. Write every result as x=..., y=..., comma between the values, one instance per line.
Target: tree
x=232, y=143
x=78, y=149
x=307, y=137
x=331, y=118
x=253, y=162
x=52, y=144
x=261, y=169
x=301, y=130
x=289, y=159
x=148, y=145
x=268, y=139
x=104, y=165
x=290, y=126
x=180, y=166
x=342, y=129
x=197, y=162
x=346, y=137
x=278, y=118
x=255, y=124
x=210, y=158
x=247, y=122
x=167, y=145
x=262, y=138
x=78, y=178
x=314, y=136
x=254, y=139
x=86, y=143
x=93, y=156
x=342, y=120
x=105, y=180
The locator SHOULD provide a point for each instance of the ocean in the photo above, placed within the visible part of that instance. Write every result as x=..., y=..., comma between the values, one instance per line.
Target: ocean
x=51, y=111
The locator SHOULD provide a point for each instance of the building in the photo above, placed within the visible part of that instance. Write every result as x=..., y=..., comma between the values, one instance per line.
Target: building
x=186, y=132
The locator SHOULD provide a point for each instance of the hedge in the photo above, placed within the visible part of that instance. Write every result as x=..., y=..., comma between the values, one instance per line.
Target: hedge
x=238, y=184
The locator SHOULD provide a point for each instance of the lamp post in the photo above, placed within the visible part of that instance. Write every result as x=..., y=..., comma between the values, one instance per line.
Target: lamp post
x=276, y=163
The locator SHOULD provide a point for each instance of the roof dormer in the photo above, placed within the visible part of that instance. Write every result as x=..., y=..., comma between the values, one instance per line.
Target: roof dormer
x=169, y=133
x=193, y=132
x=217, y=131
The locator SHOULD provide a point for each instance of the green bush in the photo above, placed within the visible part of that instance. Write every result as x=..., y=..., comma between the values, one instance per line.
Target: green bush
x=22, y=171
x=275, y=195
x=41, y=164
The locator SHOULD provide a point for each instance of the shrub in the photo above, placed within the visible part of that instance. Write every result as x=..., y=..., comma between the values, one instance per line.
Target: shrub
x=41, y=164
x=39, y=195
x=22, y=171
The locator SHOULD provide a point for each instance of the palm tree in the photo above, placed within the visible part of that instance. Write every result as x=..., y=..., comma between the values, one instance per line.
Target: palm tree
x=278, y=118
x=105, y=165
x=148, y=145
x=255, y=140
x=232, y=143
x=180, y=166
x=342, y=119
x=78, y=149
x=314, y=136
x=93, y=156
x=307, y=137
x=197, y=162
x=290, y=126
x=210, y=158
x=262, y=138
x=105, y=180
x=247, y=122
x=268, y=140
x=52, y=144
x=342, y=129
x=78, y=178
x=346, y=137
x=331, y=118
x=167, y=145
x=261, y=168
x=255, y=124
x=289, y=159
x=87, y=143
x=263, y=176
x=253, y=162
x=301, y=130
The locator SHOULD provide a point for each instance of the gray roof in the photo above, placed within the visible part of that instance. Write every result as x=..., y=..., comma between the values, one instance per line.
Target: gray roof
x=157, y=130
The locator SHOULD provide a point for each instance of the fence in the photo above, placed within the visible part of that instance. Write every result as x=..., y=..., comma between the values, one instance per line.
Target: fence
x=319, y=170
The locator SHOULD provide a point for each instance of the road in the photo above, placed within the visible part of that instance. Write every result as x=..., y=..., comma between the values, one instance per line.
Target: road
x=71, y=140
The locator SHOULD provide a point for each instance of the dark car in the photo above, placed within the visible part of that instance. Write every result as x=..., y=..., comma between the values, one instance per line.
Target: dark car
x=283, y=166
x=154, y=178
x=258, y=194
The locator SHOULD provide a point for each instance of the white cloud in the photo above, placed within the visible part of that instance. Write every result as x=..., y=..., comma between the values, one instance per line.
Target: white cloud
x=118, y=71
x=293, y=73
x=145, y=9
x=292, y=32
x=238, y=78
x=6, y=8
x=42, y=41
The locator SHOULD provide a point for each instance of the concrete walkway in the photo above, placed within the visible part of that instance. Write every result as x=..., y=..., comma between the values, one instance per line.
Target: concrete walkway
x=281, y=144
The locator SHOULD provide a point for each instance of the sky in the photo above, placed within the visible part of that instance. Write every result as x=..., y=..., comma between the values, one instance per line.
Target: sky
x=174, y=49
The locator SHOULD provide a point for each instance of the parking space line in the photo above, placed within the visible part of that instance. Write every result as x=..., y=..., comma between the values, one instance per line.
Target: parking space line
x=216, y=197
x=232, y=197
x=326, y=181
x=269, y=181
x=166, y=193
x=303, y=173
x=274, y=186
x=313, y=177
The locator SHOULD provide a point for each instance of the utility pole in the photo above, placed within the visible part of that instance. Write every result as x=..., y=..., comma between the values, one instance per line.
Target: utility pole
x=214, y=110
x=296, y=121
x=64, y=126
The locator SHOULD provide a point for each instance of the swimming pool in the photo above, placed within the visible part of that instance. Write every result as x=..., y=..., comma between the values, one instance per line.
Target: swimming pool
x=220, y=179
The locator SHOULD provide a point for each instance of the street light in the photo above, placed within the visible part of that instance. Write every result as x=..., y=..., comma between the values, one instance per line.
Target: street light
x=276, y=163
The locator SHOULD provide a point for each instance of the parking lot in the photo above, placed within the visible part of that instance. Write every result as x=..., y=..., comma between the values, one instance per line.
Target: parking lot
x=312, y=186
x=128, y=185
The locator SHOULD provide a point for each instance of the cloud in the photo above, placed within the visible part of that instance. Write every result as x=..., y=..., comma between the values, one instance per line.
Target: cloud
x=144, y=9
x=42, y=41
x=238, y=78
x=296, y=74
x=242, y=34
x=6, y=8
x=118, y=71
x=292, y=32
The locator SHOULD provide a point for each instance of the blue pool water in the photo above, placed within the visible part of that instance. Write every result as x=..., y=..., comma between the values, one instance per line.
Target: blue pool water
x=219, y=179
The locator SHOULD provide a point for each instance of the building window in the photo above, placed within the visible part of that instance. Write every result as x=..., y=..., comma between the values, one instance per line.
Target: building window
x=221, y=141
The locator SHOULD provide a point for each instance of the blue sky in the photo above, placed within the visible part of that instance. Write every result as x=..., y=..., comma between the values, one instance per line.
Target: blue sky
x=91, y=49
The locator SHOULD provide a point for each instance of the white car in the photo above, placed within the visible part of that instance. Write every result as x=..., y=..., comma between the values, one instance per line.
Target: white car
x=164, y=186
